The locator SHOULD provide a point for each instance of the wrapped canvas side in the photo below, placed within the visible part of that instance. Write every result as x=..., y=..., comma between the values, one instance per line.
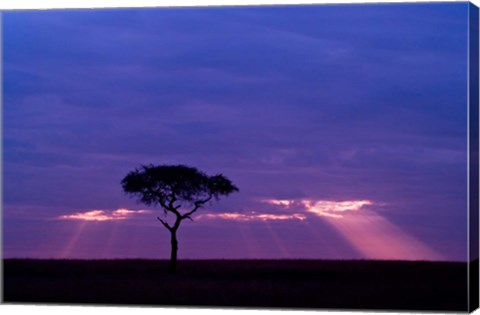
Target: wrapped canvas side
x=473, y=89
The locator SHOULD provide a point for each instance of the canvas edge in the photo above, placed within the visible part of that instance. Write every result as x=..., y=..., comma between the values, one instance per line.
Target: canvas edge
x=1, y=158
x=473, y=157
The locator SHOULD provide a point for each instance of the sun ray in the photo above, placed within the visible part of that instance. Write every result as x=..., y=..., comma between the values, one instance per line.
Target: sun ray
x=371, y=234
x=73, y=240
x=112, y=236
x=251, y=244
x=377, y=238
x=277, y=240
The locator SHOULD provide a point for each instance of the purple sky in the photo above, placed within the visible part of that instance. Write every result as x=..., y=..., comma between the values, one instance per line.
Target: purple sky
x=344, y=126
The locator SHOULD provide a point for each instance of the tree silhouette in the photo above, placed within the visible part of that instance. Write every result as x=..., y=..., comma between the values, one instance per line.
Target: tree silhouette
x=178, y=189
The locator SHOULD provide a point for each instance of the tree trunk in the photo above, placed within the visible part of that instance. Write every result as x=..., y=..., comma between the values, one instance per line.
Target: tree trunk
x=173, y=256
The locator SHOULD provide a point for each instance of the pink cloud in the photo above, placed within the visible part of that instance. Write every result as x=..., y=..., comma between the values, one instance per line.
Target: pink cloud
x=252, y=216
x=102, y=215
x=324, y=208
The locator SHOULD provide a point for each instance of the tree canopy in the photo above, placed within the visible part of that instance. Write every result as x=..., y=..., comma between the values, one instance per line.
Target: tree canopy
x=174, y=186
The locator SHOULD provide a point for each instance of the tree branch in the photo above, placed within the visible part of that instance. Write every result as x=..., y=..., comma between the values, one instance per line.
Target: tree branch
x=197, y=204
x=165, y=224
x=162, y=203
x=160, y=197
x=171, y=206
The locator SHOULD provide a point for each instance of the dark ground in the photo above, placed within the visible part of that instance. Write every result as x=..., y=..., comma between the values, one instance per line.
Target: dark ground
x=372, y=285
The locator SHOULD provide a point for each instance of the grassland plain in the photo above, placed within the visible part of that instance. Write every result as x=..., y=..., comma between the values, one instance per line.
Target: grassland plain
x=291, y=284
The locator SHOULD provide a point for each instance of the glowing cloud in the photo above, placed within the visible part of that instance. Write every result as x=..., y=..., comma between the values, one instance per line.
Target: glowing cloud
x=252, y=216
x=326, y=208
x=102, y=215
x=333, y=209
x=286, y=203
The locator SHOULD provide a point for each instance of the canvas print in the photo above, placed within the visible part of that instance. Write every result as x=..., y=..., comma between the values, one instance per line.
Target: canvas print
x=283, y=156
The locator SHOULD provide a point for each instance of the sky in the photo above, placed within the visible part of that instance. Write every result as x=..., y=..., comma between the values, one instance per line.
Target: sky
x=343, y=126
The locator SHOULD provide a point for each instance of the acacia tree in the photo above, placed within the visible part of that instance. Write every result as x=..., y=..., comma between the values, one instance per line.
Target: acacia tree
x=178, y=189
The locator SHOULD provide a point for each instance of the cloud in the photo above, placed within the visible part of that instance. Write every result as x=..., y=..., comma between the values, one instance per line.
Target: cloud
x=291, y=210
x=102, y=215
x=251, y=216
x=334, y=208
x=325, y=208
